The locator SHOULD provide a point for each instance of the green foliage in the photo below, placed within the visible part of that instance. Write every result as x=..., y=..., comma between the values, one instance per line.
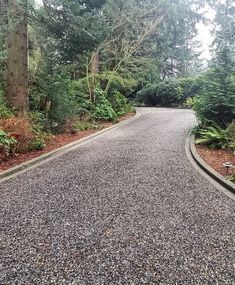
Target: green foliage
x=4, y=110
x=78, y=90
x=148, y=95
x=7, y=143
x=118, y=82
x=190, y=87
x=82, y=126
x=119, y=103
x=166, y=93
x=190, y=102
x=231, y=135
x=50, y=94
x=216, y=103
x=38, y=123
x=37, y=144
x=103, y=108
x=216, y=137
x=139, y=71
x=169, y=92
x=225, y=24
x=232, y=179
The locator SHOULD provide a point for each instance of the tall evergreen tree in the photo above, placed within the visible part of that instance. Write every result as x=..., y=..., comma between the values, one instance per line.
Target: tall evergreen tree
x=17, y=54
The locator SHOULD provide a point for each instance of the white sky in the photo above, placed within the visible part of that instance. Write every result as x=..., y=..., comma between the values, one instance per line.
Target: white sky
x=204, y=35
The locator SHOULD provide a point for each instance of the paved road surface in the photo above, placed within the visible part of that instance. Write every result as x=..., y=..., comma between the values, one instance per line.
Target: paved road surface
x=127, y=208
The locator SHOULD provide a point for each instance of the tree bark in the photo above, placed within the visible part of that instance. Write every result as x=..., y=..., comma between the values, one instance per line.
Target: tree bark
x=17, y=52
x=94, y=71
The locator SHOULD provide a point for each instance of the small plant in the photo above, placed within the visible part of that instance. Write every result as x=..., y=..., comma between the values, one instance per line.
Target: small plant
x=232, y=178
x=82, y=126
x=190, y=102
x=7, y=144
x=231, y=135
x=5, y=112
x=214, y=137
x=103, y=108
x=119, y=103
x=19, y=128
x=37, y=144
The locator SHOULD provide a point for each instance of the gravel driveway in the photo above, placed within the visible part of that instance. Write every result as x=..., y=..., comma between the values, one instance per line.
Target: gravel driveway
x=126, y=208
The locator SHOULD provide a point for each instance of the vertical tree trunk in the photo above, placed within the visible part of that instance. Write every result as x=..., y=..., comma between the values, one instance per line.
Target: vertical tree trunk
x=94, y=72
x=17, y=51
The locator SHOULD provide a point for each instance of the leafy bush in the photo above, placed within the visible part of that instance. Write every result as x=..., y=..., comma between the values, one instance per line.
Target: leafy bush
x=214, y=137
x=232, y=179
x=190, y=102
x=214, y=107
x=116, y=82
x=25, y=131
x=166, y=93
x=20, y=129
x=119, y=103
x=4, y=110
x=37, y=144
x=216, y=103
x=148, y=95
x=78, y=91
x=231, y=134
x=169, y=92
x=112, y=81
x=190, y=87
x=103, y=108
x=7, y=144
x=51, y=94
x=82, y=126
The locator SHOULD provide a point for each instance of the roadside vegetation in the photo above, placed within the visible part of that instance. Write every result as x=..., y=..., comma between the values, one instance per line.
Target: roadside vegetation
x=69, y=66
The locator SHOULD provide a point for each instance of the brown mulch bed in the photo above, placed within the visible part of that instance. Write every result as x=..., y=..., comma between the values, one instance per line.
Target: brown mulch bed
x=57, y=141
x=216, y=157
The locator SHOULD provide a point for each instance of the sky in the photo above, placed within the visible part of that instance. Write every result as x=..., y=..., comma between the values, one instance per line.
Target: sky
x=204, y=35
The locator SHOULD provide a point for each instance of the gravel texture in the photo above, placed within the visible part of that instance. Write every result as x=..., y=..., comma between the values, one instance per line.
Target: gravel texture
x=127, y=208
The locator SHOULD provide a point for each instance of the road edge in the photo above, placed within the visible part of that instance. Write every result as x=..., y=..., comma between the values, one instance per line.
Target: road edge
x=25, y=166
x=210, y=174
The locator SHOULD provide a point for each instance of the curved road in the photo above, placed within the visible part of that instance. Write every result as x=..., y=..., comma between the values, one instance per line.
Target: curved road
x=126, y=208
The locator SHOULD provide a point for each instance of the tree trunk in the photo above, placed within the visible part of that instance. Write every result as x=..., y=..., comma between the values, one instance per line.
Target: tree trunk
x=17, y=51
x=94, y=71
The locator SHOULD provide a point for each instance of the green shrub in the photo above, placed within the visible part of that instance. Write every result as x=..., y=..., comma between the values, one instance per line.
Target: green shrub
x=82, y=126
x=51, y=95
x=214, y=107
x=190, y=102
x=38, y=120
x=216, y=103
x=7, y=144
x=169, y=92
x=190, y=87
x=166, y=93
x=5, y=112
x=148, y=95
x=37, y=144
x=119, y=103
x=103, y=108
x=214, y=137
x=231, y=135
x=232, y=178
x=77, y=91
x=113, y=81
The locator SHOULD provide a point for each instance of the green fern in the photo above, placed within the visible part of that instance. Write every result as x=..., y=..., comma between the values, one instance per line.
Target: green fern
x=214, y=137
